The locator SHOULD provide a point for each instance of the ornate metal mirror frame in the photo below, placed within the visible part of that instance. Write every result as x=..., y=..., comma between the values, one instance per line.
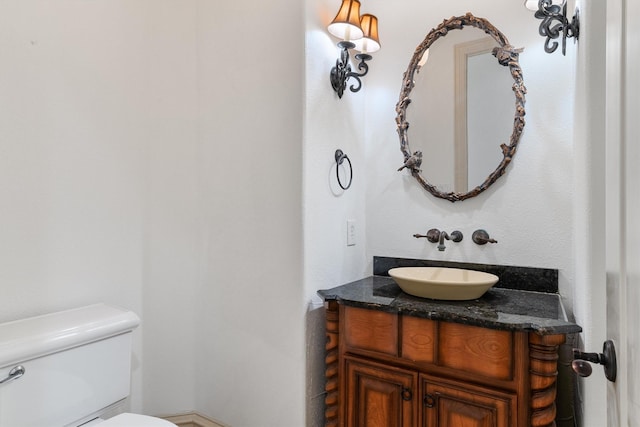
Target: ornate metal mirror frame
x=507, y=56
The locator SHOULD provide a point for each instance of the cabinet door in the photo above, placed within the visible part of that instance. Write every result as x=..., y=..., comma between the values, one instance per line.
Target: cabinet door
x=379, y=396
x=454, y=404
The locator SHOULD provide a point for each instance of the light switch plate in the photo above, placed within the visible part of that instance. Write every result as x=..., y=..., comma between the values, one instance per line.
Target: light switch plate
x=351, y=232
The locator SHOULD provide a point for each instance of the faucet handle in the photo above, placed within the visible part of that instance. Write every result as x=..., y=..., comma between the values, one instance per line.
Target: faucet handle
x=481, y=237
x=432, y=235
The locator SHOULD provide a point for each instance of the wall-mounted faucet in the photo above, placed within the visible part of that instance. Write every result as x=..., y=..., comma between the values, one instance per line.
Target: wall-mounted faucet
x=436, y=236
x=481, y=237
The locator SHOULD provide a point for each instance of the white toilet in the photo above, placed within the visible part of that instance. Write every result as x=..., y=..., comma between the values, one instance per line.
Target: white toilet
x=69, y=369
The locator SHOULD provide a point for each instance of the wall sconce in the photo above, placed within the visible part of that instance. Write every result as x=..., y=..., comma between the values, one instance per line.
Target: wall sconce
x=554, y=23
x=356, y=32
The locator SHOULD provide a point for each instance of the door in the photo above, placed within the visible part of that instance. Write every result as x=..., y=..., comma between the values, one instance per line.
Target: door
x=608, y=232
x=452, y=404
x=379, y=396
x=632, y=218
x=623, y=208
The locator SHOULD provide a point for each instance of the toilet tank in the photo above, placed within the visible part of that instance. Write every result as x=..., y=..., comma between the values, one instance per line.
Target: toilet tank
x=76, y=363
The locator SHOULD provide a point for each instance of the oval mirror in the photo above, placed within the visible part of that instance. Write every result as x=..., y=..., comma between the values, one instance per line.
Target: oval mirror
x=460, y=92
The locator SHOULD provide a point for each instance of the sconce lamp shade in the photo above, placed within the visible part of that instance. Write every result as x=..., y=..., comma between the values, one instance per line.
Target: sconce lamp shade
x=370, y=42
x=346, y=24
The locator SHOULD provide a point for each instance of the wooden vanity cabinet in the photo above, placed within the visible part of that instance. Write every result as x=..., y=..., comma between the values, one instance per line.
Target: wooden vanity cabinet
x=391, y=370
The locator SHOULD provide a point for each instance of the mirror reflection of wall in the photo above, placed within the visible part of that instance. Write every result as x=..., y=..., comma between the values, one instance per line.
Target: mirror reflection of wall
x=461, y=110
x=489, y=113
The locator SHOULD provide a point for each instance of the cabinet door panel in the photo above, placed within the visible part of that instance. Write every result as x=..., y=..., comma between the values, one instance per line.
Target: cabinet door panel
x=458, y=405
x=380, y=397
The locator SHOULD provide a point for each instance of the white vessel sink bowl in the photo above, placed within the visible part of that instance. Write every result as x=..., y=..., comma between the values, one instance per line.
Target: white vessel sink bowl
x=443, y=283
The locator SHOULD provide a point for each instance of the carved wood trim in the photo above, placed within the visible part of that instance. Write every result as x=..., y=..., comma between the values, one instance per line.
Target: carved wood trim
x=543, y=374
x=332, y=387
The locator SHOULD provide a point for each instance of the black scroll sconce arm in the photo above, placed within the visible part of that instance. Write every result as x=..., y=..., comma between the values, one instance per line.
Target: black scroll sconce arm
x=342, y=70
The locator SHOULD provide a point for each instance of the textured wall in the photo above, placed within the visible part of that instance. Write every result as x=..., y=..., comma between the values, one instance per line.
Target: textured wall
x=250, y=309
x=330, y=123
x=151, y=158
x=96, y=141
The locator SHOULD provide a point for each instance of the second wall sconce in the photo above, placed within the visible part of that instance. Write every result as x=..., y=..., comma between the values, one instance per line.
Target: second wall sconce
x=355, y=32
x=554, y=23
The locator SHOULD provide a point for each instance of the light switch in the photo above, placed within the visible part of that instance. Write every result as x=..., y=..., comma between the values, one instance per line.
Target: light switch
x=351, y=232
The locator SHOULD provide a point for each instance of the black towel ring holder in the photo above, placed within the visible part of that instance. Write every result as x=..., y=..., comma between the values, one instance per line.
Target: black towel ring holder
x=340, y=158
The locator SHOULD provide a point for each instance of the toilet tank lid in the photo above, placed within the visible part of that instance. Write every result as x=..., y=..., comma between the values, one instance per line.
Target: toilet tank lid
x=26, y=339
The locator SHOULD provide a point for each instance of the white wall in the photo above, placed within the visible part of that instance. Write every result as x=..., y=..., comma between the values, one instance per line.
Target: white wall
x=250, y=311
x=172, y=255
x=529, y=210
x=150, y=157
x=330, y=123
x=72, y=154
x=96, y=123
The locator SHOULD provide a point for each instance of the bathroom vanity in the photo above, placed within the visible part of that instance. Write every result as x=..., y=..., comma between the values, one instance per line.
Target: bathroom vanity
x=397, y=360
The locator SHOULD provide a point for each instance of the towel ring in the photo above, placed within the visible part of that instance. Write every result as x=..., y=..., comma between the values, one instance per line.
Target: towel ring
x=340, y=158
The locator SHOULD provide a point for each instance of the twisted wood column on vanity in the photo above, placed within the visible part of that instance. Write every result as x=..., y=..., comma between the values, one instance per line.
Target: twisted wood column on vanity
x=332, y=398
x=543, y=375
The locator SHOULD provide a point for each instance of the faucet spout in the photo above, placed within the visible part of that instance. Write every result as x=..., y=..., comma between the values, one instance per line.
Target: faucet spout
x=443, y=235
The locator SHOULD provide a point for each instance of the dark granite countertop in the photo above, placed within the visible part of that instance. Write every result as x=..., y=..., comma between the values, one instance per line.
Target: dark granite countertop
x=506, y=309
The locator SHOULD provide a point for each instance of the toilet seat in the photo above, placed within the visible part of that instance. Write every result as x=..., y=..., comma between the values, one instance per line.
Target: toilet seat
x=135, y=420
